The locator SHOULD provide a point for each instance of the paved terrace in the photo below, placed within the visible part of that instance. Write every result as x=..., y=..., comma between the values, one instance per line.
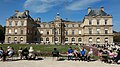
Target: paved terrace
x=49, y=62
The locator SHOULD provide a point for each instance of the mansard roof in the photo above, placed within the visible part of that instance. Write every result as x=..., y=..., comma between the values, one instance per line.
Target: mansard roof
x=21, y=15
x=98, y=12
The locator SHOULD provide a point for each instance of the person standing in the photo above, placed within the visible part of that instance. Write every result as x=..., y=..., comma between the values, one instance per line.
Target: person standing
x=90, y=53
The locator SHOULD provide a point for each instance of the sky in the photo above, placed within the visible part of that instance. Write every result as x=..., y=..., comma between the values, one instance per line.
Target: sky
x=74, y=10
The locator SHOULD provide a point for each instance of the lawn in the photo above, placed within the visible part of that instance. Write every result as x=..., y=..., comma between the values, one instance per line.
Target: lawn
x=41, y=48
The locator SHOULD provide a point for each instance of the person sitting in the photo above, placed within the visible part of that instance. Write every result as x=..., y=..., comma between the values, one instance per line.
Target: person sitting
x=70, y=53
x=31, y=53
x=90, y=54
x=111, y=56
x=118, y=56
x=20, y=53
x=105, y=55
x=1, y=52
x=25, y=53
x=76, y=53
x=55, y=53
x=83, y=54
x=10, y=51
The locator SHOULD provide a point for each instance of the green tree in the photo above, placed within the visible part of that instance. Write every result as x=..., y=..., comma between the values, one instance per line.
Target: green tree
x=2, y=33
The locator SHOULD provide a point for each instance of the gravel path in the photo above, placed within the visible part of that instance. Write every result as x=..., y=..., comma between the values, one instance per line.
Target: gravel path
x=49, y=62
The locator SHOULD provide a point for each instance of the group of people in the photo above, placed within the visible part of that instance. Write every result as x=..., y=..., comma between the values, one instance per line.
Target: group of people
x=75, y=54
x=26, y=54
x=81, y=54
x=9, y=52
x=23, y=53
x=109, y=56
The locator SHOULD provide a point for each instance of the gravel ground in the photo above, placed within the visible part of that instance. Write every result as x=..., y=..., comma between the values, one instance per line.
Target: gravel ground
x=49, y=62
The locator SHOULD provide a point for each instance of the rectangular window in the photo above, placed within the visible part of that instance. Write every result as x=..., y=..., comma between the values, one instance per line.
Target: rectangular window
x=22, y=23
x=9, y=31
x=90, y=31
x=66, y=32
x=106, y=31
x=47, y=32
x=105, y=22
x=73, y=32
x=97, y=22
x=79, y=31
x=98, y=31
x=21, y=31
x=90, y=22
x=15, y=31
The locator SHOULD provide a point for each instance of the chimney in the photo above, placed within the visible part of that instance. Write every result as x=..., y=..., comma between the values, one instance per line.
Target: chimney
x=102, y=8
x=89, y=9
x=16, y=11
x=27, y=12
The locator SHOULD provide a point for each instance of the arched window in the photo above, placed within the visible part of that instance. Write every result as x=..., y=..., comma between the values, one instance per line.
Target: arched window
x=47, y=39
x=15, y=38
x=98, y=40
x=9, y=39
x=66, y=39
x=79, y=39
x=73, y=39
x=21, y=38
x=90, y=22
x=90, y=40
x=56, y=39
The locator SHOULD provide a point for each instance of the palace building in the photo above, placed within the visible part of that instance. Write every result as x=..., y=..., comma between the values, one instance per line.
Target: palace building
x=95, y=28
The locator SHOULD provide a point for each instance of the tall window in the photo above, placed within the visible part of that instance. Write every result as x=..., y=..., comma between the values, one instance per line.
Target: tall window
x=79, y=31
x=66, y=32
x=9, y=31
x=90, y=22
x=90, y=40
x=79, y=25
x=15, y=31
x=22, y=23
x=73, y=32
x=47, y=32
x=106, y=31
x=98, y=40
x=90, y=30
x=106, y=40
x=98, y=31
x=21, y=31
x=98, y=22
x=106, y=22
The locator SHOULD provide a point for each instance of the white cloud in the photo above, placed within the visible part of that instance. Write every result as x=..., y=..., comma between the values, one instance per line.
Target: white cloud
x=80, y=4
x=40, y=6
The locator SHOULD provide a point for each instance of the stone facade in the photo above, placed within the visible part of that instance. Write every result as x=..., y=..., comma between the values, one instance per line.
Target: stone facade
x=96, y=28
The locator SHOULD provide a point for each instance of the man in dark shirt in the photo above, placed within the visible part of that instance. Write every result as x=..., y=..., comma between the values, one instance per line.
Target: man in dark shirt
x=55, y=53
